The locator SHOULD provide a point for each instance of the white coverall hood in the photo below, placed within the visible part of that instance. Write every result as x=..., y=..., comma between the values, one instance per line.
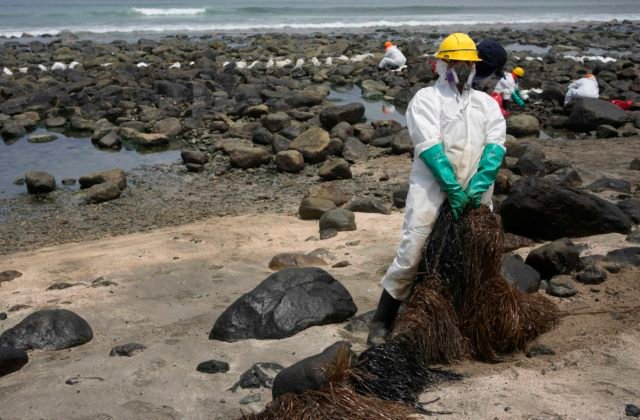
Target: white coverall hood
x=464, y=123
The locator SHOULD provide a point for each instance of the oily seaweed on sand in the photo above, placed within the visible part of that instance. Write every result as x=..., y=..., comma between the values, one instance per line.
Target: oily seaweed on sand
x=460, y=306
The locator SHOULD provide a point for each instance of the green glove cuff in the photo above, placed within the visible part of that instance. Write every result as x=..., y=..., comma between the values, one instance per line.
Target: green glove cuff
x=516, y=98
x=436, y=160
x=488, y=169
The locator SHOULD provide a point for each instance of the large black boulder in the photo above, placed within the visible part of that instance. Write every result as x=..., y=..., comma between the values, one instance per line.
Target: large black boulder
x=309, y=373
x=284, y=304
x=587, y=114
x=53, y=329
x=520, y=275
x=558, y=257
x=351, y=113
x=12, y=360
x=540, y=208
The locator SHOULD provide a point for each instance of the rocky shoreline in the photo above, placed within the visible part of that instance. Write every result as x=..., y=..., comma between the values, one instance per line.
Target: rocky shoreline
x=253, y=113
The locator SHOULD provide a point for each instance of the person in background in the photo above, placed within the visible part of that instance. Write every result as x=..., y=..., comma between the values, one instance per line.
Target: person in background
x=585, y=87
x=508, y=87
x=393, y=57
x=493, y=57
x=458, y=135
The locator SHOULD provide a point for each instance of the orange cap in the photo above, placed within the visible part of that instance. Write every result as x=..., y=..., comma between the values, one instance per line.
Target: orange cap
x=387, y=44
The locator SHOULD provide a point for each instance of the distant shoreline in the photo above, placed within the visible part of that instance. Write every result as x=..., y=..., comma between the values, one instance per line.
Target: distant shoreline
x=443, y=28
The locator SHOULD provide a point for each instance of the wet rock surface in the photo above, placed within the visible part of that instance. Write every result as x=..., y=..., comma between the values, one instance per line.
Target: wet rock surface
x=285, y=303
x=54, y=329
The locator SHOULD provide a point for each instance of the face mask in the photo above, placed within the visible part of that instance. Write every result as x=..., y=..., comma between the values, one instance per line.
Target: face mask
x=463, y=72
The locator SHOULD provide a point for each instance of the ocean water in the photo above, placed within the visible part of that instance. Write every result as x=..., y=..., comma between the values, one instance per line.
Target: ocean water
x=39, y=17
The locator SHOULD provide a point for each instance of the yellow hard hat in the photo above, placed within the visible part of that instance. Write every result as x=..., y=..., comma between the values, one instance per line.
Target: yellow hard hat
x=458, y=47
x=518, y=71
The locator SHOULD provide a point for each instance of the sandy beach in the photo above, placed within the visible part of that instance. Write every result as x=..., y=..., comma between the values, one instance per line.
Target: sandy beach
x=154, y=254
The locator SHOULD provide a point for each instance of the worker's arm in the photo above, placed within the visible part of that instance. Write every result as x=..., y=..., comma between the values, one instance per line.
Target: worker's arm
x=423, y=122
x=492, y=155
x=515, y=95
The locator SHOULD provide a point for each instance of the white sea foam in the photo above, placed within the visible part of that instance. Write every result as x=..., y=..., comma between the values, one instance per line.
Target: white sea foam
x=142, y=27
x=173, y=11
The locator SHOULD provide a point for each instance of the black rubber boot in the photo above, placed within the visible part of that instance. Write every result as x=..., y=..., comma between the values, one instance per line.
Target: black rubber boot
x=383, y=319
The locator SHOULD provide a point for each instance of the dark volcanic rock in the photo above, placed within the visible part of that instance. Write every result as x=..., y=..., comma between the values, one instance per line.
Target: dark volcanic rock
x=313, y=144
x=400, y=196
x=610, y=184
x=522, y=276
x=561, y=286
x=290, y=161
x=335, y=169
x=170, y=89
x=294, y=260
x=354, y=150
x=248, y=157
x=401, y=142
x=309, y=373
x=284, y=304
x=631, y=410
x=54, y=329
x=259, y=375
x=631, y=207
x=312, y=208
x=587, y=114
x=351, y=113
x=591, y=275
x=531, y=162
x=100, y=193
x=12, y=360
x=213, y=366
x=360, y=323
x=127, y=350
x=194, y=156
x=523, y=125
x=9, y=275
x=39, y=182
x=539, y=208
x=115, y=176
x=367, y=205
x=339, y=219
x=557, y=257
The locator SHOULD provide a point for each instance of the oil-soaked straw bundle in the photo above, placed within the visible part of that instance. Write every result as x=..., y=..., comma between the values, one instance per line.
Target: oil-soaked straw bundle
x=460, y=307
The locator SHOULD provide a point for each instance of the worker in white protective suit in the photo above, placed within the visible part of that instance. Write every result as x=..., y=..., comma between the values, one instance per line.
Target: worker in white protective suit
x=586, y=87
x=458, y=135
x=509, y=88
x=393, y=57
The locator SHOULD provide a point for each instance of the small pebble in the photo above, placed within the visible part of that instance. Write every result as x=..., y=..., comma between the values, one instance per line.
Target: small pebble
x=3, y=316
x=251, y=398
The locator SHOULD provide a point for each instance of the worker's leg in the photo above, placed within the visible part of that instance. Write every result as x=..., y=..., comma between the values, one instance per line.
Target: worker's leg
x=401, y=273
x=387, y=63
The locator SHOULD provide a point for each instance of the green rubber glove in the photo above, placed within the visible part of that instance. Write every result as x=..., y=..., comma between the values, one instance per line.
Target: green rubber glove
x=516, y=98
x=437, y=161
x=488, y=168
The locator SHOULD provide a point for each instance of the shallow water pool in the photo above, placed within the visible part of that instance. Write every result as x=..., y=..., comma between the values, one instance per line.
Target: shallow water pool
x=68, y=157
x=373, y=110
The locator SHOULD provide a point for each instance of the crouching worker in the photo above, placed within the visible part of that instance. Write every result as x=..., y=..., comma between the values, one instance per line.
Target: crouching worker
x=508, y=86
x=458, y=135
x=586, y=87
x=393, y=58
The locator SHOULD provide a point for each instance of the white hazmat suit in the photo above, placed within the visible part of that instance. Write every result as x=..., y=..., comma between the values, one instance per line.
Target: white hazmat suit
x=587, y=87
x=464, y=122
x=393, y=58
x=506, y=86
